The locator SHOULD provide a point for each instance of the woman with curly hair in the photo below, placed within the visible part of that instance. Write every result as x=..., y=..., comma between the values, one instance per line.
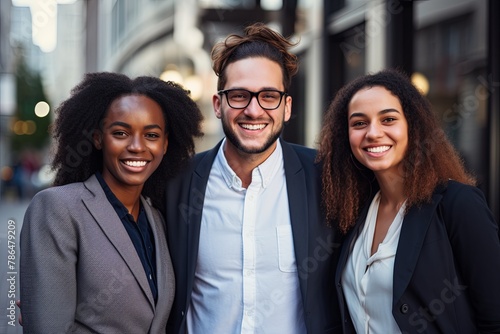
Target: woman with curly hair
x=94, y=256
x=421, y=251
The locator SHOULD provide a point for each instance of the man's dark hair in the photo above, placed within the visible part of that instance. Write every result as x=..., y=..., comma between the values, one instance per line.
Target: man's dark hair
x=258, y=41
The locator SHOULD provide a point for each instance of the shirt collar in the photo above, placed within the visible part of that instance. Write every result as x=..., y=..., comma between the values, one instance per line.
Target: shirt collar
x=261, y=175
x=120, y=209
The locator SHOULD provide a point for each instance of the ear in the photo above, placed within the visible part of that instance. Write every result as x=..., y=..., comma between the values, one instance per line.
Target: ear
x=217, y=104
x=288, y=108
x=97, y=139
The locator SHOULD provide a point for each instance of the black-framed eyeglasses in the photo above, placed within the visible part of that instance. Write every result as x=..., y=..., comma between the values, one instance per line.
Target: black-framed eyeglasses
x=268, y=99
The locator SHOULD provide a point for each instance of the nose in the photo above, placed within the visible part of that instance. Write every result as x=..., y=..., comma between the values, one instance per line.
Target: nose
x=136, y=144
x=253, y=110
x=374, y=131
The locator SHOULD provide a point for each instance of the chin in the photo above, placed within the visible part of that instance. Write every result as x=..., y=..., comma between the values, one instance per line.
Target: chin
x=254, y=150
x=135, y=182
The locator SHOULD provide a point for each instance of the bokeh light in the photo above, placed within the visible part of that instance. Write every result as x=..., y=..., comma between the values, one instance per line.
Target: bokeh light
x=42, y=109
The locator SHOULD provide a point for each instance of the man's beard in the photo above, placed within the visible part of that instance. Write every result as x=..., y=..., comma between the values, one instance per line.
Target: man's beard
x=235, y=141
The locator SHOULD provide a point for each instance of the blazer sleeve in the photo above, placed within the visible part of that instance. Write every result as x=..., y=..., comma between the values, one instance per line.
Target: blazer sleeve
x=48, y=264
x=473, y=234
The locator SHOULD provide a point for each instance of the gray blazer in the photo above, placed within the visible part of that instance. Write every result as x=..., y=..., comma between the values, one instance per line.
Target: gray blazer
x=80, y=271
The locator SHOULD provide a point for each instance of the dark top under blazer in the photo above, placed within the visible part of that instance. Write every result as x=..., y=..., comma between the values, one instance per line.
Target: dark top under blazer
x=447, y=265
x=316, y=247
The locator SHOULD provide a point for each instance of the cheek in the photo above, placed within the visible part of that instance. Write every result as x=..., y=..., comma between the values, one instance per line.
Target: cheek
x=160, y=149
x=227, y=116
x=354, y=138
x=108, y=148
x=403, y=138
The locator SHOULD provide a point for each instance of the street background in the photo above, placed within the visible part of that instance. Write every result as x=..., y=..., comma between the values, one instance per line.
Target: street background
x=450, y=48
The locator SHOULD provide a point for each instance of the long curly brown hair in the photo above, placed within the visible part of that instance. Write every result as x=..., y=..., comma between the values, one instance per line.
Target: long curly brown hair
x=76, y=158
x=430, y=158
x=258, y=41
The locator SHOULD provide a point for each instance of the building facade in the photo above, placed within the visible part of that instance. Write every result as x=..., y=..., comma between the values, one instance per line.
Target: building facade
x=449, y=45
x=452, y=45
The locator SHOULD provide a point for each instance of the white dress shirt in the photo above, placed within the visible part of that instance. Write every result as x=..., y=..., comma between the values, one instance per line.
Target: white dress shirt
x=367, y=280
x=246, y=277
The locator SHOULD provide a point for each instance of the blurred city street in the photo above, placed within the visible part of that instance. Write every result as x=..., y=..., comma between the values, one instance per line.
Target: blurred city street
x=449, y=48
x=11, y=217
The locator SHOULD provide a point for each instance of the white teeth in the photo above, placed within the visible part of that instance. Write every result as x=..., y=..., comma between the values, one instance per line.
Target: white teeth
x=253, y=126
x=135, y=163
x=378, y=149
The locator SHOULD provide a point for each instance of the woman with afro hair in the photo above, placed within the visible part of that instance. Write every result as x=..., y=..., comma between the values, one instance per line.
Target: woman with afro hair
x=421, y=252
x=94, y=257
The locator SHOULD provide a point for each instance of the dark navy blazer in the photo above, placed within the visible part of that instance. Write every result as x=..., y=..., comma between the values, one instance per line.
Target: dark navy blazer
x=447, y=265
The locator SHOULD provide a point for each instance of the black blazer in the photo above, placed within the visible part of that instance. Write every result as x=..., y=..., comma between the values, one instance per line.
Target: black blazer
x=447, y=265
x=316, y=246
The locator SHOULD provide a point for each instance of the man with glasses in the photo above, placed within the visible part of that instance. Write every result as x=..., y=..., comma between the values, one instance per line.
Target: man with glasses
x=250, y=247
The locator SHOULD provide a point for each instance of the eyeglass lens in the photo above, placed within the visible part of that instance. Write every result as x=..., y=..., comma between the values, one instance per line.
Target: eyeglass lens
x=268, y=99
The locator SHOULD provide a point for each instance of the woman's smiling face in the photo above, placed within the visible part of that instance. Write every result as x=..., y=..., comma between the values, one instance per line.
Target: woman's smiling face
x=378, y=130
x=133, y=141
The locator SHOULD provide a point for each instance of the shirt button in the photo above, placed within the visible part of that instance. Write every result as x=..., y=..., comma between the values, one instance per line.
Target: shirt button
x=404, y=308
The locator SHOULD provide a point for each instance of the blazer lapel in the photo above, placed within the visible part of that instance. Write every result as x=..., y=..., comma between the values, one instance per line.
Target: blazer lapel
x=413, y=231
x=349, y=241
x=111, y=225
x=165, y=279
x=164, y=275
x=297, y=199
x=198, y=186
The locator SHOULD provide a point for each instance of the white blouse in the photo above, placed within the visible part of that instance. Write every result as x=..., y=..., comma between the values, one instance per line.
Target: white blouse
x=367, y=279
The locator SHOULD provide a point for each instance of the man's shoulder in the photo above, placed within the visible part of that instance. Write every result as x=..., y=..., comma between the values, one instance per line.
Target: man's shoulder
x=199, y=157
x=192, y=166
x=304, y=150
x=304, y=153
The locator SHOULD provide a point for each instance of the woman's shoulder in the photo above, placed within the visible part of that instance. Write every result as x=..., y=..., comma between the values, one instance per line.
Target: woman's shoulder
x=461, y=195
x=458, y=188
x=59, y=194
